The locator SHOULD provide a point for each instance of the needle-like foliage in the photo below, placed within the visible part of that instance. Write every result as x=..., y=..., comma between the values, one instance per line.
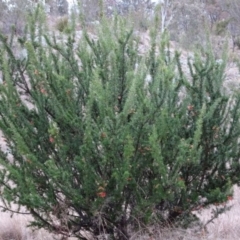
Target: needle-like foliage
x=102, y=138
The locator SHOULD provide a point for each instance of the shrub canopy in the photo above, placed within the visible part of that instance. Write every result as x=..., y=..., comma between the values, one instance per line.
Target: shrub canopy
x=102, y=138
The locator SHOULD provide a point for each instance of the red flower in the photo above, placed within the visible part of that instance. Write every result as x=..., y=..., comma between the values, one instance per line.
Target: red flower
x=42, y=90
x=190, y=107
x=101, y=194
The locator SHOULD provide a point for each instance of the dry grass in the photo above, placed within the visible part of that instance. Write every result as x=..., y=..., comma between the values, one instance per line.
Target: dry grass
x=15, y=228
x=225, y=227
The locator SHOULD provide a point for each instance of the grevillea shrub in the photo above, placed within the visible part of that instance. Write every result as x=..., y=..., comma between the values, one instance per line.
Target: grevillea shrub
x=102, y=138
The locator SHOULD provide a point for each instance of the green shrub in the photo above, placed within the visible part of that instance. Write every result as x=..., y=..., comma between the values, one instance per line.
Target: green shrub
x=62, y=24
x=221, y=26
x=95, y=147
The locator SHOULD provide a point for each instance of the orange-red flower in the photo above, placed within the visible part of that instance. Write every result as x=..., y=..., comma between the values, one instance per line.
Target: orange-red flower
x=43, y=91
x=101, y=194
x=190, y=107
